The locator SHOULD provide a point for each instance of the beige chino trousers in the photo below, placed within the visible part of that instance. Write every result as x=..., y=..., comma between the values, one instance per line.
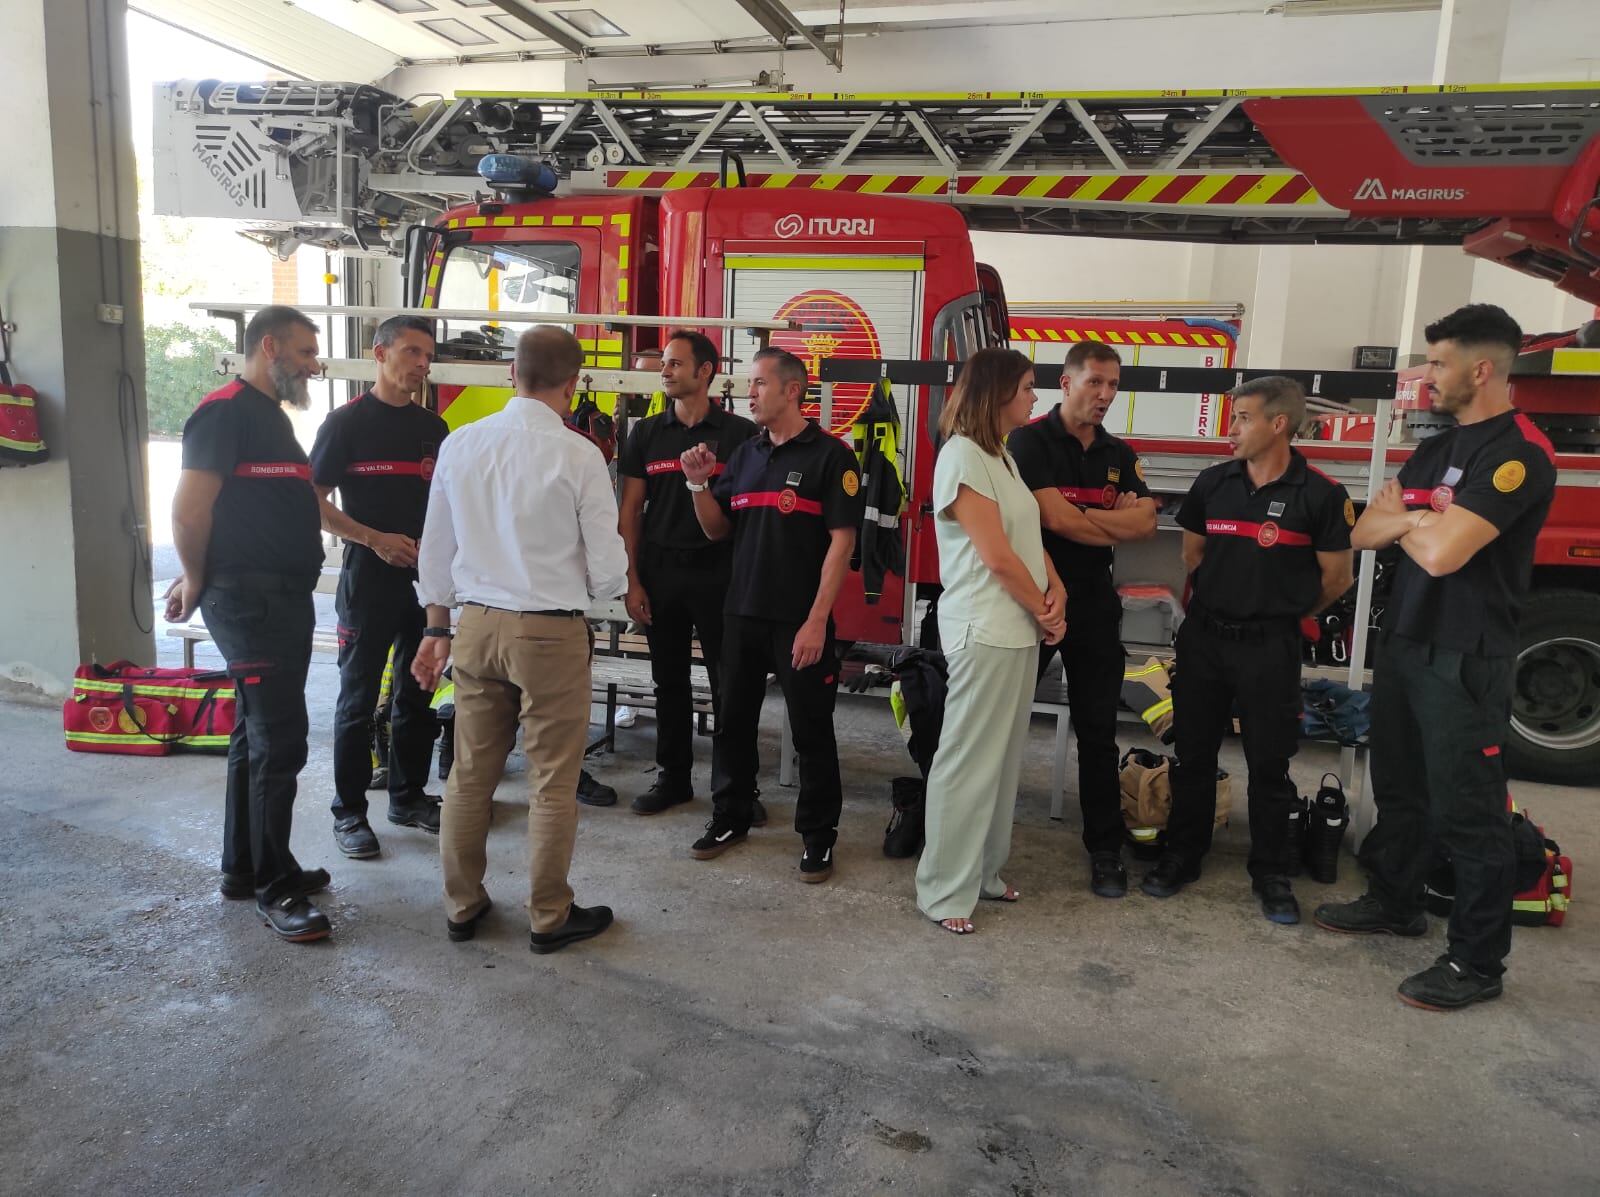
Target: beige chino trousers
x=510, y=669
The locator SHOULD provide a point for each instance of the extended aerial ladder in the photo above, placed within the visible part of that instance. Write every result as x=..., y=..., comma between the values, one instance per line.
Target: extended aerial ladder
x=1513, y=174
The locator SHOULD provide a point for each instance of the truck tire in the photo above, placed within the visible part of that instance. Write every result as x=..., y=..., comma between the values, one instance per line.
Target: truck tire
x=1555, y=698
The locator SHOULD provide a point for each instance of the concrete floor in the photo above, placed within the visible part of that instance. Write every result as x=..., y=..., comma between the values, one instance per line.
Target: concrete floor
x=739, y=1032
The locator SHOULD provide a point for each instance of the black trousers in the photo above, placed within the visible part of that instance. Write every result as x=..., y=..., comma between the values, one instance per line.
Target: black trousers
x=1260, y=675
x=1093, y=662
x=378, y=610
x=687, y=591
x=262, y=626
x=751, y=649
x=1438, y=780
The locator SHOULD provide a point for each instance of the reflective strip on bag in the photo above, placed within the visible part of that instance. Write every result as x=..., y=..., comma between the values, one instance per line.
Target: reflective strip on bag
x=1152, y=713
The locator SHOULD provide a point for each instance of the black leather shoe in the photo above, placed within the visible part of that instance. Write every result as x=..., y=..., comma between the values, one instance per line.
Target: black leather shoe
x=663, y=795
x=594, y=793
x=295, y=919
x=1367, y=916
x=1277, y=900
x=421, y=811
x=354, y=836
x=243, y=885
x=758, y=813
x=582, y=923
x=1108, y=877
x=465, y=930
x=1449, y=985
x=1169, y=876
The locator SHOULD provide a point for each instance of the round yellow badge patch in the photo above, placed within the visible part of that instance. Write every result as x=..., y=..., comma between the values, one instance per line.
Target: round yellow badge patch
x=1509, y=476
x=1350, y=512
x=851, y=483
x=1138, y=466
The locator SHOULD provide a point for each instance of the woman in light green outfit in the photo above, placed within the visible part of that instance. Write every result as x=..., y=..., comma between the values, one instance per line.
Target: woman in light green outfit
x=1001, y=595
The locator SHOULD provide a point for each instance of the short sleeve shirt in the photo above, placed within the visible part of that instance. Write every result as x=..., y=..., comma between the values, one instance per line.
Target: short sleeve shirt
x=380, y=458
x=1502, y=469
x=266, y=519
x=652, y=452
x=1051, y=458
x=974, y=606
x=784, y=501
x=1262, y=544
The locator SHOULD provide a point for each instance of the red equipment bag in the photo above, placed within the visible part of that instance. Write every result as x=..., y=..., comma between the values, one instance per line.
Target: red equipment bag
x=126, y=708
x=1543, y=879
x=20, y=442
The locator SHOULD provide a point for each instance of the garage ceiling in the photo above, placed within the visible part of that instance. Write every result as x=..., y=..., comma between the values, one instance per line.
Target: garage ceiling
x=363, y=40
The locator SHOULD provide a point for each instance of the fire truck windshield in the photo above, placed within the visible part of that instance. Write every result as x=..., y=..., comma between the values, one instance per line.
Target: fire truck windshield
x=526, y=278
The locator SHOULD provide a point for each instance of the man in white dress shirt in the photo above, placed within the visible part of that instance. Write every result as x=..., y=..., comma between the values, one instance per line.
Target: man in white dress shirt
x=521, y=535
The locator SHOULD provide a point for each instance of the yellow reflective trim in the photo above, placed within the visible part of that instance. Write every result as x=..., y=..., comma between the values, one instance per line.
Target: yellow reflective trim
x=109, y=686
x=473, y=403
x=1039, y=185
x=1092, y=187
x=1136, y=338
x=1197, y=338
x=633, y=179
x=15, y=401
x=433, y=276
x=113, y=738
x=609, y=343
x=877, y=184
x=1154, y=712
x=826, y=182
x=21, y=446
x=1157, y=339
x=1310, y=197
x=1115, y=336
x=986, y=185
x=1052, y=334
x=561, y=221
x=931, y=185
x=622, y=257
x=681, y=179
x=594, y=221
x=622, y=290
x=1219, y=338
x=1265, y=189
x=1033, y=334
x=1575, y=361
x=1205, y=188
x=505, y=222
x=534, y=221
x=453, y=223
x=1074, y=335
x=1015, y=335
x=1094, y=336
x=1542, y=905
x=622, y=220
x=778, y=179
x=1148, y=190
x=846, y=262
x=475, y=222
x=1131, y=675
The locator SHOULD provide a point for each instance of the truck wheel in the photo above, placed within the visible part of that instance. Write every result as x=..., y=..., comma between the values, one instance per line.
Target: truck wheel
x=1555, y=698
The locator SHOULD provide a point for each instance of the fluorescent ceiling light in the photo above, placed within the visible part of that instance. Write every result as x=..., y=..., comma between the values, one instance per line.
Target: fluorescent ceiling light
x=406, y=6
x=456, y=31
x=1350, y=8
x=590, y=23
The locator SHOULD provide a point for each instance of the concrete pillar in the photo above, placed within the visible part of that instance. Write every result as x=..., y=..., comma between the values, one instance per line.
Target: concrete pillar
x=1470, y=49
x=74, y=532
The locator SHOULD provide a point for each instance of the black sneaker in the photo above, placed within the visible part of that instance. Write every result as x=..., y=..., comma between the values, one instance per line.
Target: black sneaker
x=355, y=839
x=663, y=795
x=1169, y=876
x=582, y=923
x=816, y=864
x=1107, y=875
x=758, y=813
x=719, y=837
x=295, y=919
x=421, y=811
x=243, y=885
x=1367, y=916
x=594, y=793
x=1449, y=985
x=1277, y=900
x=467, y=928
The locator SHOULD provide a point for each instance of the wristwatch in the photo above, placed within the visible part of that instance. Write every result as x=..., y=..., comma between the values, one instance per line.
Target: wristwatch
x=445, y=632
x=697, y=487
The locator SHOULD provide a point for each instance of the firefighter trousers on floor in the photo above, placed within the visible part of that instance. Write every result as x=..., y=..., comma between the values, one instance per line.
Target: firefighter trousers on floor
x=262, y=626
x=687, y=590
x=1439, y=719
x=972, y=787
x=751, y=649
x=1254, y=668
x=378, y=611
x=1092, y=662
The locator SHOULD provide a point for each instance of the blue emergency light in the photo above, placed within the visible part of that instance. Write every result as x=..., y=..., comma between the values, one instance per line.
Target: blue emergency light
x=516, y=173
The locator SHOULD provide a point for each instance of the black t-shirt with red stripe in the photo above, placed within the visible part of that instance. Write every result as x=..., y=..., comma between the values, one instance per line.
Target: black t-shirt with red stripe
x=1051, y=457
x=652, y=452
x=1502, y=469
x=266, y=519
x=783, y=501
x=380, y=457
x=1262, y=545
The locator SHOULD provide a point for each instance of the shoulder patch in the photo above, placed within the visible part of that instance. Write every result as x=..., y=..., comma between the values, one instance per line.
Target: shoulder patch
x=1509, y=476
x=1350, y=512
x=851, y=483
x=1138, y=467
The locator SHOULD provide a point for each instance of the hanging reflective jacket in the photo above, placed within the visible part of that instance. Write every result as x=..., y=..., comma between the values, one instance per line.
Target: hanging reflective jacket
x=880, y=550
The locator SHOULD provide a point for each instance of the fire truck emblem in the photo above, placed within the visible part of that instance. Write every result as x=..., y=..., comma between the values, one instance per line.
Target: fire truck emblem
x=425, y=468
x=832, y=325
x=786, y=501
x=1441, y=498
x=1267, y=536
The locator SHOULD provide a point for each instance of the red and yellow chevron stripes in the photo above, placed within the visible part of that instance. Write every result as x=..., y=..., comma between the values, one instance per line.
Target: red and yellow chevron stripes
x=1281, y=188
x=1124, y=336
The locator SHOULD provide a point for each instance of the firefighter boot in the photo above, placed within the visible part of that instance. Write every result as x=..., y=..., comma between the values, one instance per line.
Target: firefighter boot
x=903, y=836
x=1330, y=816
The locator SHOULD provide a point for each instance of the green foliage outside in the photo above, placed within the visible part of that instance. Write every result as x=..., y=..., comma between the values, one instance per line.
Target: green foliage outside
x=179, y=371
